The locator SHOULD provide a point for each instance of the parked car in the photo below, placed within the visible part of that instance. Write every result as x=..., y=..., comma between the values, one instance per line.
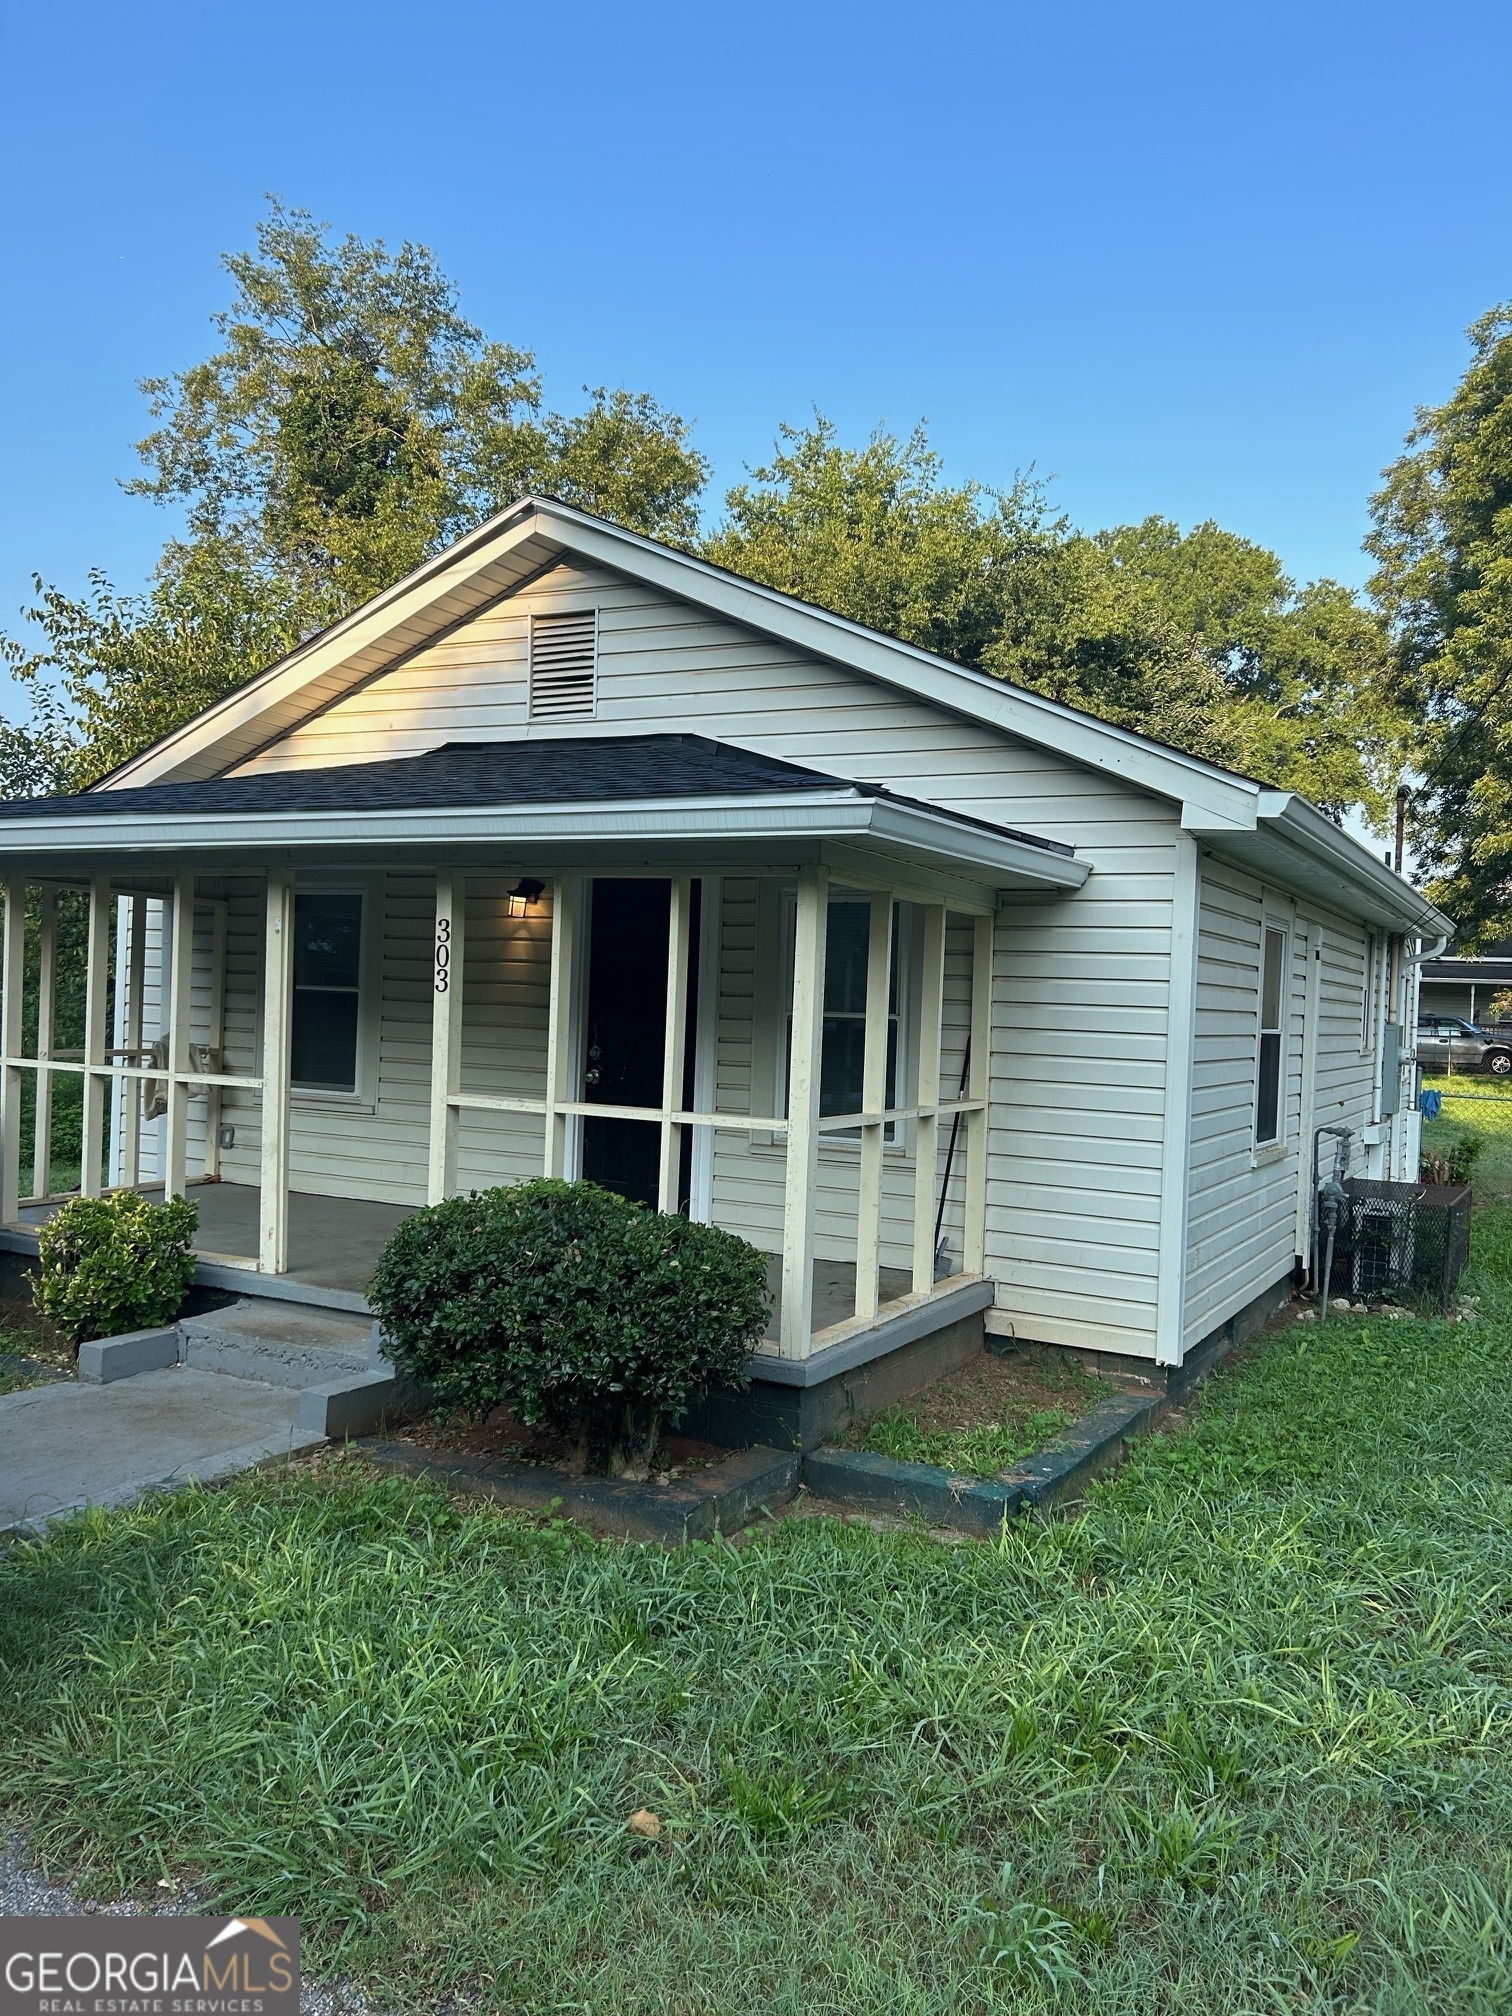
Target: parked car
x=1444, y=1040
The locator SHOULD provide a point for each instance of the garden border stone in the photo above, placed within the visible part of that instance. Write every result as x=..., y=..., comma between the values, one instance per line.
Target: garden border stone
x=103, y=1359
x=976, y=1504
x=695, y=1507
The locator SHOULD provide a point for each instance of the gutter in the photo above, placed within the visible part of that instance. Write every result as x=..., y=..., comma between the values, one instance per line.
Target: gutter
x=1295, y=819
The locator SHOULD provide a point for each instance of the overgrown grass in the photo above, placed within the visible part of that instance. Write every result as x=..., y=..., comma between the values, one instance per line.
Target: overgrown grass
x=1235, y=1740
x=983, y=1450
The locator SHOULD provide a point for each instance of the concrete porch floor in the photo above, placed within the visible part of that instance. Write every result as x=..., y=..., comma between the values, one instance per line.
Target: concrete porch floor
x=334, y=1243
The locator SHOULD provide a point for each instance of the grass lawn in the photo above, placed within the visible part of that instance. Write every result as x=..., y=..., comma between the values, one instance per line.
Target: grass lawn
x=1482, y=1105
x=1236, y=1740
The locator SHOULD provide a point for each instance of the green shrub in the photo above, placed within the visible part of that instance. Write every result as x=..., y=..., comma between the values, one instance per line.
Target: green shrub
x=586, y=1314
x=1463, y=1155
x=116, y=1263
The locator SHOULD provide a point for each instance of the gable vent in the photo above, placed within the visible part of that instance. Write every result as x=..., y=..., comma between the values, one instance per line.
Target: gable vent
x=563, y=659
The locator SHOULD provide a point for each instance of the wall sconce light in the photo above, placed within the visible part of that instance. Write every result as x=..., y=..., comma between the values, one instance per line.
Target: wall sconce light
x=525, y=892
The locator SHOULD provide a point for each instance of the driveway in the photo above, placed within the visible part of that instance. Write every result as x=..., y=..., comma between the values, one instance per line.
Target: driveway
x=64, y=1446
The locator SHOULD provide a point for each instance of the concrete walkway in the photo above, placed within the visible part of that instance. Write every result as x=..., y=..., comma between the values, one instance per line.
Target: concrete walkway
x=70, y=1445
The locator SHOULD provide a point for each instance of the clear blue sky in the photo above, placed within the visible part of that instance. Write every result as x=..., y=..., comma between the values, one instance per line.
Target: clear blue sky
x=1200, y=260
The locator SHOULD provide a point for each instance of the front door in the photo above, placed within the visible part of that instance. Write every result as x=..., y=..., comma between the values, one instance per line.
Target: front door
x=625, y=1038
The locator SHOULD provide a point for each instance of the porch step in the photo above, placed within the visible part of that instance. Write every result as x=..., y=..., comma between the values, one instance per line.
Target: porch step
x=280, y=1343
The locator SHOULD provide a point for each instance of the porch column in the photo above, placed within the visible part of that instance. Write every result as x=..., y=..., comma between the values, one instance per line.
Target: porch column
x=803, y=1113
x=12, y=991
x=219, y=928
x=978, y=1086
x=96, y=1012
x=47, y=997
x=278, y=977
x=674, y=1048
x=873, y=1100
x=927, y=1126
x=180, y=1001
x=561, y=1085
x=446, y=1033
x=136, y=977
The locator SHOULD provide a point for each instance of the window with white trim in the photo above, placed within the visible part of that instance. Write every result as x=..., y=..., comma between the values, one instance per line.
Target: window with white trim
x=326, y=1019
x=1270, y=1071
x=843, y=1045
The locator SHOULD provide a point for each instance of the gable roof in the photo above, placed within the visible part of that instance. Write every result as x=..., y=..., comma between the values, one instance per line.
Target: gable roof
x=537, y=533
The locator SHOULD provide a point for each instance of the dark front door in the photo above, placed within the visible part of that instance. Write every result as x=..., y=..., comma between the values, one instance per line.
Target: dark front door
x=626, y=1036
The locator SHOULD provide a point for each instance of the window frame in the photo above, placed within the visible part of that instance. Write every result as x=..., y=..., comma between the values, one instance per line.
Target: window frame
x=895, y=1133
x=1276, y=1034
x=363, y=1096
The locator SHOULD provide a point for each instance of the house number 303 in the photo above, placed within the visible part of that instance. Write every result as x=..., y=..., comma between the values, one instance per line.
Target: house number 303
x=443, y=954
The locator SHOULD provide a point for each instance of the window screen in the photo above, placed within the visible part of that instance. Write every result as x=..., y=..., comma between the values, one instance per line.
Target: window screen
x=327, y=972
x=1272, y=1015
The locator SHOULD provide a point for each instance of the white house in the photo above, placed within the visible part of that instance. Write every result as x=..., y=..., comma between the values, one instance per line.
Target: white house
x=572, y=853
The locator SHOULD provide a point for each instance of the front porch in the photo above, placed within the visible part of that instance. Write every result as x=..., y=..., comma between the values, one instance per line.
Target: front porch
x=767, y=1006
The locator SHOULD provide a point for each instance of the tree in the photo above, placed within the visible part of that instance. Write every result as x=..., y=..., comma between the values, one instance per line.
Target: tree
x=1199, y=639
x=1442, y=541
x=351, y=424
x=873, y=534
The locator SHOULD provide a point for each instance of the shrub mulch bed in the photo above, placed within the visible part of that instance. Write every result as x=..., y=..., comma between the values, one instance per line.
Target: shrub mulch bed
x=32, y=1352
x=696, y=1490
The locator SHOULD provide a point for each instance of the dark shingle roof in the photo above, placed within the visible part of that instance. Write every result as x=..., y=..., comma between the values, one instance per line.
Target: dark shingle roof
x=568, y=770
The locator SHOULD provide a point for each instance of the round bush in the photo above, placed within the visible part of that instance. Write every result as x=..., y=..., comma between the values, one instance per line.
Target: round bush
x=586, y=1314
x=113, y=1264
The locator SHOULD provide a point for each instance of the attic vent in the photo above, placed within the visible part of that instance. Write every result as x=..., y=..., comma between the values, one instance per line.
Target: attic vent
x=563, y=656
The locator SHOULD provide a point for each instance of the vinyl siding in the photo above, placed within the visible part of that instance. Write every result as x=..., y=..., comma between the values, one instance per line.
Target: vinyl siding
x=1244, y=1201
x=1080, y=983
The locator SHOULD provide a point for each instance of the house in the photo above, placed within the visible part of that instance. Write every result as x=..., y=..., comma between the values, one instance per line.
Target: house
x=573, y=853
x=1466, y=987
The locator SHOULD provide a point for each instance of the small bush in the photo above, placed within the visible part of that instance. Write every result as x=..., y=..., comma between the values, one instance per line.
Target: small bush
x=1455, y=1161
x=116, y=1263
x=586, y=1314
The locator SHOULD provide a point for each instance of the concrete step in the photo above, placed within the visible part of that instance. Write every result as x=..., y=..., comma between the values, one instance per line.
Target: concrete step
x=280, y=1343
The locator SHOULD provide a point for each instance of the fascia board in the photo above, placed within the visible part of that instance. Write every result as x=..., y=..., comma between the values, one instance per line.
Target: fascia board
x=781, y=817
x=1302, y=825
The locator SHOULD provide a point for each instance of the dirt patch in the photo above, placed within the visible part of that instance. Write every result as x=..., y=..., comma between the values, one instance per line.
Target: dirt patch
x=31, y=1350
x=985, y=1417
x=504, y=1437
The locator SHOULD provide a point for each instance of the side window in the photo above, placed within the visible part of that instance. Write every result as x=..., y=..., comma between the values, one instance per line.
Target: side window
x=327, y=976
x=1268, y=1085
x=843, y=1052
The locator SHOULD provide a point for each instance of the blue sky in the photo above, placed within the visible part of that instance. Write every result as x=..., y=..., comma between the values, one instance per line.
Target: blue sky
x=1197, y=260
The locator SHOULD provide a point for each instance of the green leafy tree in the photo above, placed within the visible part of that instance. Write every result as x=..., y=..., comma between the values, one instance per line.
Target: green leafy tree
x=1201, y=639
x=1442, y=541
x=351, y=424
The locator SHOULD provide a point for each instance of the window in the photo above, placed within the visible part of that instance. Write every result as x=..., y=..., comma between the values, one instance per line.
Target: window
x=843, y=1052
x=563, y=664
x=1272, y=1022
x=327, y=973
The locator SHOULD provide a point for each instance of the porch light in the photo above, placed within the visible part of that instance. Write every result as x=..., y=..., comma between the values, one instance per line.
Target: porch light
x=525, y=892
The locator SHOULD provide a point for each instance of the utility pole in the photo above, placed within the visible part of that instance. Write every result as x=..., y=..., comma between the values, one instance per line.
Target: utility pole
x=1403, y=794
